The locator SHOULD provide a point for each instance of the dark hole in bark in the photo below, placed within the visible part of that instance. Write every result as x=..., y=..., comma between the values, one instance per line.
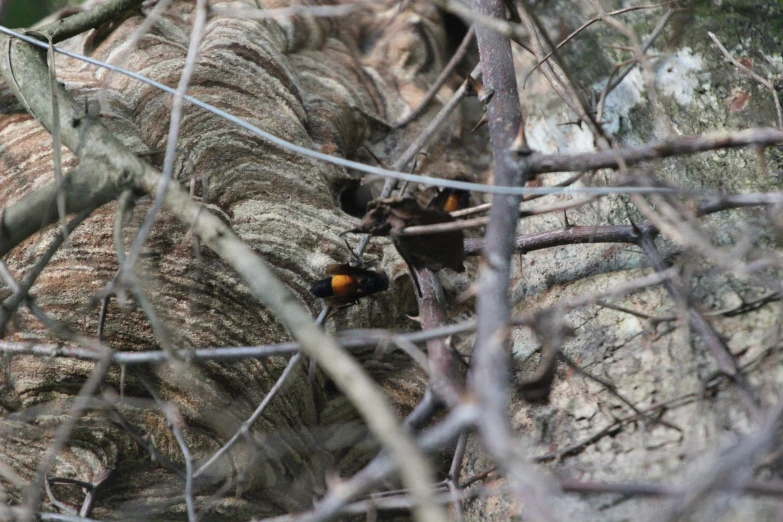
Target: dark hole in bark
x=355, y=195
x=455, y=31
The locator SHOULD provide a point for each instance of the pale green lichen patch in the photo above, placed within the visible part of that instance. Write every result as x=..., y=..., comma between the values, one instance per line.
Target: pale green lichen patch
x=679, y=75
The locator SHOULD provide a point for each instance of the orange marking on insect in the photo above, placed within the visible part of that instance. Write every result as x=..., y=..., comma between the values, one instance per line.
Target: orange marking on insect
x=344, y=285
x=452, y=204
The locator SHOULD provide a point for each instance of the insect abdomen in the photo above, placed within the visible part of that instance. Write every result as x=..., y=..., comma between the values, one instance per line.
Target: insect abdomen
x=344, y=285
x=322, y=288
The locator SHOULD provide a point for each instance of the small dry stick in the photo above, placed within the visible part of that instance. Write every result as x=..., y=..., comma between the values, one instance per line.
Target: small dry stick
x=480, y=222
x=763, y=81
x=177, y=113
x=81, y=402
x=129, y=46
x=444, y=75
x=12, y=304
x=613, y=81
x=175, y=421
x=57, y=144
x=664, y=148
x=173, y=416
x=331, y=11
x=453, y=480
x=486, y=206
x=244, y=430
x=612, y=389
x=585, y=26
x=711, y=338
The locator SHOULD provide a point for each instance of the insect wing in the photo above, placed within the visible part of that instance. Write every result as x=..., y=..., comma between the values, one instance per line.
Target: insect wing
x=372, y=282
x=338, y=269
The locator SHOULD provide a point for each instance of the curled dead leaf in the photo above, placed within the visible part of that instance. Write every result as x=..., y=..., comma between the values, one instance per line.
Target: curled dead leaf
x=390, y=216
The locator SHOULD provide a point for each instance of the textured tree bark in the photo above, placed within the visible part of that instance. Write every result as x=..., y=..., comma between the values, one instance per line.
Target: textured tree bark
x=663, y=368
x=320, y=83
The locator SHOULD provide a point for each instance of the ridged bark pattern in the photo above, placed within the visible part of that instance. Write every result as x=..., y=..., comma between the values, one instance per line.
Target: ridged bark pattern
x=317, y=82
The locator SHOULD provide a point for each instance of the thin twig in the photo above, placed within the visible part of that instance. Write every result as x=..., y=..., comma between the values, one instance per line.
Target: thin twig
x=613, y=81
x=585, y=26
x=332, y=504
x=559, y=75
x=79, y=23
x=80, y=403
x=639, y=489
x=131, y=44
x=147, y=443
x=11, y=305
x=177, y=114
x=486, y=206
x=453, y=479
x=614, y=427
x=172, y=415
x=459, y=54
x=568, y=236
x=665, y=148
x=612, y=389
x=57, y=144
x=319, y=11
x=244, y=429
x=742, y=68
x=465, y=224
x=724, y=358
x=733, y=467
x=174, y=420
x=56, y=503
x=444, y=375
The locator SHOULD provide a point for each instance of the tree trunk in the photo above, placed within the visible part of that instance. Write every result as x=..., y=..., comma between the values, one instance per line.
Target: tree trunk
x=313, y=81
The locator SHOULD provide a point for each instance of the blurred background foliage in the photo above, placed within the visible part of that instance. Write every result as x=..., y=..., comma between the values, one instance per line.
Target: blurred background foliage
x=24, y=13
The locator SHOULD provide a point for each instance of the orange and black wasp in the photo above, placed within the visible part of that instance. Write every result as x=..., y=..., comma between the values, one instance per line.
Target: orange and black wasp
x=346, y=284
x=451, y=200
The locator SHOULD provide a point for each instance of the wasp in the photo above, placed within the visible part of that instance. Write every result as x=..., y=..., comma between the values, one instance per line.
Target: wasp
x=451, y=200
x=346, y=284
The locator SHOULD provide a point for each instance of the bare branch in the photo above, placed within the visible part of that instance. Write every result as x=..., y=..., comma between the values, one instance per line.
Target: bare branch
x=711, y=338
x=488, y=378
x=585, y=26
x=443, y=364
x=332, y=505
x=616, y=79
x=90, y=19
x=444, y=75
x=88, y=389
x=244, y=430
x=763, y=81
x=12, y=304
x=465, y=224
x=177, y=113
x=331, y=11
x=678, y=146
